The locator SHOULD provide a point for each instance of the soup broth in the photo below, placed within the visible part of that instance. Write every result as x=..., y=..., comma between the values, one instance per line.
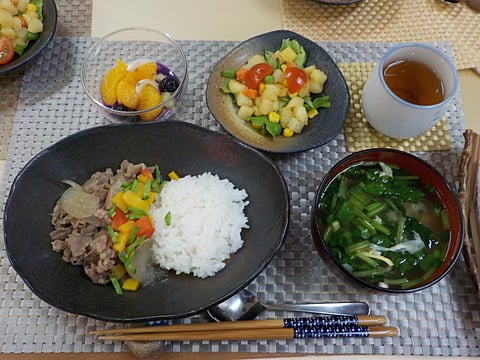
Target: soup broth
x=383, y=225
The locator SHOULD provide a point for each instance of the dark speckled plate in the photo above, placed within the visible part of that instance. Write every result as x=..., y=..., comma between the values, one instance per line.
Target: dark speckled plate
x=321, y=129
x=36, y=47
x=179, y=146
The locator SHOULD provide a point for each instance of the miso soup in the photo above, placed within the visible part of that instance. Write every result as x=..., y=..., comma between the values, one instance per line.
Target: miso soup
x=383, y=225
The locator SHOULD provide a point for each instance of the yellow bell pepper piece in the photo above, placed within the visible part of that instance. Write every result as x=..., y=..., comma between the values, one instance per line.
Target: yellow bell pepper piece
x=130, y=285
x=133, y=200
x=173, y=175
x=122, y=242
x=142, y=178
x=126, y=227
x=140, y=189
x=118, y=201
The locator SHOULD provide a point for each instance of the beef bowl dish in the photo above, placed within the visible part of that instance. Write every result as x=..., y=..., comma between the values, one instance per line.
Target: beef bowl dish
x=152, y=230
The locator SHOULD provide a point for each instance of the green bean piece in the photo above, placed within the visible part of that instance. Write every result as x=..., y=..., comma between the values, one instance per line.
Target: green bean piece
x=147, y=189
x=135, y=244
x=113, y=234
x=229, y=73
x=116, y=285
x=135, y=185
x=132, y=236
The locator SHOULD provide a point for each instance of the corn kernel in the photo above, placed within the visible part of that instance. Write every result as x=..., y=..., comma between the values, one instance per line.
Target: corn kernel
x=312, y=113
x=31, y=8
x=287, y=132
x=274, y=116
x=283, y=67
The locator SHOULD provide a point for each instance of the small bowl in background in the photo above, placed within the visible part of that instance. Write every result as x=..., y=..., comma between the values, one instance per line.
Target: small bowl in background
x=135, y=45
x=36, y=47
x=429, y=178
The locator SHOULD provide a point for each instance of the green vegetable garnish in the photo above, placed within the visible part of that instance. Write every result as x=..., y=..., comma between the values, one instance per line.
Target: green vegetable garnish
x=168, y=218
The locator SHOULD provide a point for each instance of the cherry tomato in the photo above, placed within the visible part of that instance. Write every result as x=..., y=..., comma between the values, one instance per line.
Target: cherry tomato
x=6, y=50
x=256, y=74
x=296, y=78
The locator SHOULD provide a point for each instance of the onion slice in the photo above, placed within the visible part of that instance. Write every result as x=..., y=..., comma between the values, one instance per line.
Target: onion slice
x=77, y=202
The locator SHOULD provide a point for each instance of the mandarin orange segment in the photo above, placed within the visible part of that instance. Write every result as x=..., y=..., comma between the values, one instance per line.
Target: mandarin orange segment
x=127, y=94
x=142, y=72
x=108, y=87
x=149, y=97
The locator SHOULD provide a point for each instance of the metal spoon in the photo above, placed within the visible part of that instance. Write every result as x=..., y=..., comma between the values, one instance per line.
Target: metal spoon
x=245, y=306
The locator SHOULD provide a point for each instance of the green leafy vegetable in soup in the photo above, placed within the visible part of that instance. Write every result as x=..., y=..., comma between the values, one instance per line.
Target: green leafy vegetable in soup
x=383, y=225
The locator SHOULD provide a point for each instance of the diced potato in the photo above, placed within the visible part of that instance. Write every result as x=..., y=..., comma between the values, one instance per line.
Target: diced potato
x=21, y=36
x=316, y=88
x=22, y=5
x=243, y=100
x=236, y=86
x=8, y=5
x=283, y=90
x=318, y=76
x=245, y=112
x=317, y=79
x=265, y=106
x=35, y=25
x=6, y=19
x=296, y=125
x=305, y=90
x=288, y=54
x=300, y=113
x=295, y=101
x=278, y=76
x=8, y=32
x=255, y=59
x=17, y=23
x=308, y=70
x=285, y=115
x=270, y=92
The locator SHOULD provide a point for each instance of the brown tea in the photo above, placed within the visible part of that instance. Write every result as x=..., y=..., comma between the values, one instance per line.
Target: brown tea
x=414, y=82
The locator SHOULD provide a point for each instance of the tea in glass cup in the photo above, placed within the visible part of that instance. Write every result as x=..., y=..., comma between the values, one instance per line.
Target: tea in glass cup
x=409, y=90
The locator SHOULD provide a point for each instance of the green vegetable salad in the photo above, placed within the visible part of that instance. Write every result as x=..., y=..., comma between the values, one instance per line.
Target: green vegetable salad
x=274, y=91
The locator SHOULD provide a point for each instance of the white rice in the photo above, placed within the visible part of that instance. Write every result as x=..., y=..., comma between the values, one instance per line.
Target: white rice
x=206, y=219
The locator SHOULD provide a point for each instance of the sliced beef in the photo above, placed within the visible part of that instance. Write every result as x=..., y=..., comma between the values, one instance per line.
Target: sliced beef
x=86, y=241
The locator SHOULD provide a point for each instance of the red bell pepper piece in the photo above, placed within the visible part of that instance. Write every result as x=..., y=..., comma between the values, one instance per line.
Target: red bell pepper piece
x=118, y=219
x=145, y=227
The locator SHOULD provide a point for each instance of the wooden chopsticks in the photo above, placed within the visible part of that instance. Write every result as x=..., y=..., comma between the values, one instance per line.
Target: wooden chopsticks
x=290, y=328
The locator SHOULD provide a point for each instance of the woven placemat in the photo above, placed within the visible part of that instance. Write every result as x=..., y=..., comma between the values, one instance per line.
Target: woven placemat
x=441, y=320
x=74, y=19
x=360, y=135
x=389, y=21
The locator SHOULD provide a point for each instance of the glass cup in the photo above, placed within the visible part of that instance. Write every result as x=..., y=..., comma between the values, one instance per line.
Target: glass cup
x=136, y=45
x=392, y=111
